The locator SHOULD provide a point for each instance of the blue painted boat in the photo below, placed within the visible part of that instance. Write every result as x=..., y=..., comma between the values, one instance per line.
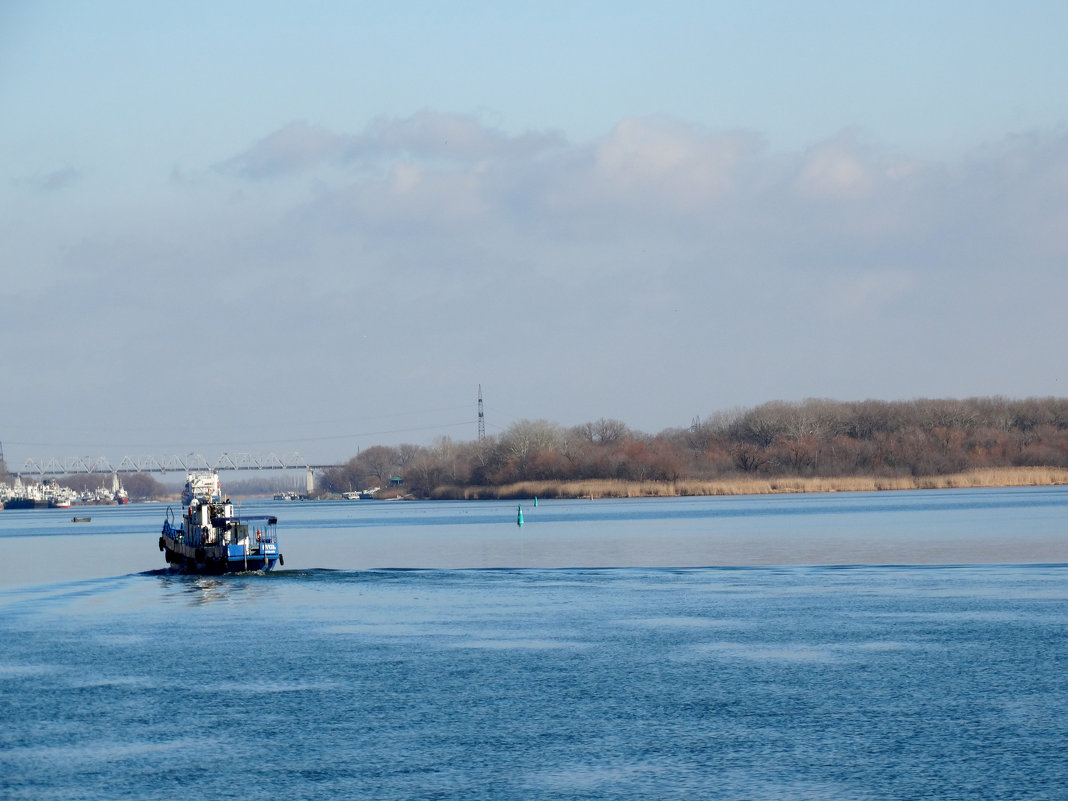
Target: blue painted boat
x=210, y=539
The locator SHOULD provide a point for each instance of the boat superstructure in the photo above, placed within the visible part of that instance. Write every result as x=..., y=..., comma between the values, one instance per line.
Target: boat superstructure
x=210, y=538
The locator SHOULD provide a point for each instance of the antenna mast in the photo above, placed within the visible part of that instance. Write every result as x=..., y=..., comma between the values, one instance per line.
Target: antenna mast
x=481, y=416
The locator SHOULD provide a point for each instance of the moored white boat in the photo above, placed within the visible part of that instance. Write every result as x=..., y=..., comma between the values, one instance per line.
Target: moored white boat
x=198, y=484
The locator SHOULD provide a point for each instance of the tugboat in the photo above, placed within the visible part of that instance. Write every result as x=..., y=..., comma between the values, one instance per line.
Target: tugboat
x=211, y=540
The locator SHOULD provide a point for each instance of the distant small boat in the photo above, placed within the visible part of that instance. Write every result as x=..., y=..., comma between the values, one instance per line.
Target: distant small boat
x=81, y=519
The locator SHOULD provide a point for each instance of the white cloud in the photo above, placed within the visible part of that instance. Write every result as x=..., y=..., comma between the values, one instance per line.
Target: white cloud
x=657, y=147
x=664, y=205
x=832, y=171
x=569, y=277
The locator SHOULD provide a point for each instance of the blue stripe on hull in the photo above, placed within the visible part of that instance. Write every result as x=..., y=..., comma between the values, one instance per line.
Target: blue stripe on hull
x=253, y=565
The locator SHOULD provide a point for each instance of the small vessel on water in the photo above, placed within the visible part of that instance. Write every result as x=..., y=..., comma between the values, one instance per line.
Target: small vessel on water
x=211, y=539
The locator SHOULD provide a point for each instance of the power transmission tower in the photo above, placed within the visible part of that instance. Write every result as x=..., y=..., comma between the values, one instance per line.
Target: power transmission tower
x=481, y=416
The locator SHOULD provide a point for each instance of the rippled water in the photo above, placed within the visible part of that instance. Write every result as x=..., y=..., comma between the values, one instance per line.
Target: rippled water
x=544, y=681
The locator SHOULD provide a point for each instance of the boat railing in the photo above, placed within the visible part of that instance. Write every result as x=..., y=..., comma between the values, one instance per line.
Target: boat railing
x=177, y=533
x=258, y=528
x=256, y=531
x=193, y=537
x=265, y=534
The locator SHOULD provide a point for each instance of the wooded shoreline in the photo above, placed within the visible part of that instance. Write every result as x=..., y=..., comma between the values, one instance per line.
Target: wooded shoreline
x=813, y=446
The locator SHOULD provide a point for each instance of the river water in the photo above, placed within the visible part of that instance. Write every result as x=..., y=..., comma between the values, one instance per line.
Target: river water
x=851, y=646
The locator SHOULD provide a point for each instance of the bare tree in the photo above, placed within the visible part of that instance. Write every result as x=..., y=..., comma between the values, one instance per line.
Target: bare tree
x=406, y=453
x=603, y=431
x=378, y=462
x=526, y=437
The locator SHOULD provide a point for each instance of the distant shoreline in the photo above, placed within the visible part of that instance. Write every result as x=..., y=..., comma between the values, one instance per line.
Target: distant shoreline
x=613, y=488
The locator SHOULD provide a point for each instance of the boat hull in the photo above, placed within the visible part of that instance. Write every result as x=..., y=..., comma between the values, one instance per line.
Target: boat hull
x=214, y=560
x=25, y=503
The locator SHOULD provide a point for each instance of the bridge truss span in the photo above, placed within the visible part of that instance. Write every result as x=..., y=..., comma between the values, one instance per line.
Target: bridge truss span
x=190, y=462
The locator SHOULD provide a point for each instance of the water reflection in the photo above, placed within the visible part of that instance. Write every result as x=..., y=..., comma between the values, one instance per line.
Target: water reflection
x=194, y=590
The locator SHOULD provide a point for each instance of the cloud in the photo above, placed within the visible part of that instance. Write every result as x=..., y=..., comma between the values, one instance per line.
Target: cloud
x=450, y=138
x=1020, y=187
x=665, y=154
x=834, y=171
x=572, y=276
x=55, y=181
x=295, y=147
x=426, y=136
x=659, y=186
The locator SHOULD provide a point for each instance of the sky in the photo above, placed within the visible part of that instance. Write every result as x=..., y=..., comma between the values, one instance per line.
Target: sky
x=271, y=227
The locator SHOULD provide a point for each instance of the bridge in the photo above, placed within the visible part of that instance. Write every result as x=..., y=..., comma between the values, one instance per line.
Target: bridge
x=72, y=465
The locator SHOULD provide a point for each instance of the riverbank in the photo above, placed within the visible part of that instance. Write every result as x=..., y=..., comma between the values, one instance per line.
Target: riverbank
x=607, y=488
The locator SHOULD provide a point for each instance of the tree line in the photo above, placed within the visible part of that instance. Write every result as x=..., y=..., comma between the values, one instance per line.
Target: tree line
x=816, y=437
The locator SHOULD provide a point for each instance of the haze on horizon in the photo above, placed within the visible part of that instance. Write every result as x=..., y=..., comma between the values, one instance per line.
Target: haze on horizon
x=257, y=226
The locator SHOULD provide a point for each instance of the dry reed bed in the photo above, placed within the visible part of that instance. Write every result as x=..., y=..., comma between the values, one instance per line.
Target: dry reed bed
x=607, y=488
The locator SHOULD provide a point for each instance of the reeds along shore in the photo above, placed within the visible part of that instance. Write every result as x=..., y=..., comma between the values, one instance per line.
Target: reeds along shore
x=608, y=488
